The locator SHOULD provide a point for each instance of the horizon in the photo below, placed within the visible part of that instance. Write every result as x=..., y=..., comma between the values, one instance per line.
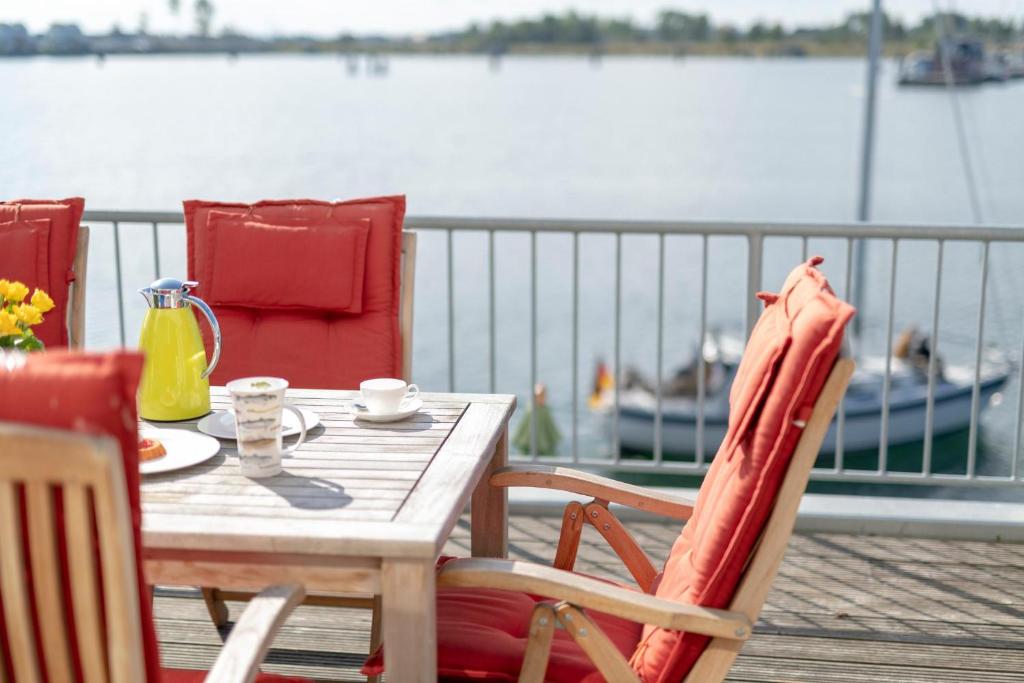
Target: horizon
x=419, y=17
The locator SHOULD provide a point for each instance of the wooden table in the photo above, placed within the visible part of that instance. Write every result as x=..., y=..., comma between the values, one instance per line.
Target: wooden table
x=361, y=508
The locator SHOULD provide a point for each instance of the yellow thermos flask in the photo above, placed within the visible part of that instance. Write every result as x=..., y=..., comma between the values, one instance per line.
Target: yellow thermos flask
x=174, y=382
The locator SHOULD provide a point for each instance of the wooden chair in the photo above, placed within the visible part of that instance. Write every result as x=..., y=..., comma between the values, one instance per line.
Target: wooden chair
x=214, y=597
x=108, y=637
x=576, y=594
x=688, y=621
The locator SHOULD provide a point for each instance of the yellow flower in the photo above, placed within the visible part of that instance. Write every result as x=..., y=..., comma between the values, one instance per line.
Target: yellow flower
x=4, y=285
x=8, y=324
x=42, y=301
x=16, y=292
x=28, y=314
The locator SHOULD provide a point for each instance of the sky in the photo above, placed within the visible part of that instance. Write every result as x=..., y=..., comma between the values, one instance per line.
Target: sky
x=405, y=17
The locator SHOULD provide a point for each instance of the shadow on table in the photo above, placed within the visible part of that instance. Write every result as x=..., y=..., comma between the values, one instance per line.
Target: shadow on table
x=308, y=493
x=419, y=422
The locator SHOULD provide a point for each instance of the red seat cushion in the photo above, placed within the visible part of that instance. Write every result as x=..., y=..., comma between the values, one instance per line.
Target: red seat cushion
x=190, y=676
x=91, y=394
x=788, y=357
x=58, y=242
x=308, y=340
x=482, y=635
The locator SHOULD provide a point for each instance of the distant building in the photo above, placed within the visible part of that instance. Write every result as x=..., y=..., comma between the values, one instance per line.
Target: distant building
x=16, y=40
x=121, y=43
x=64, y=39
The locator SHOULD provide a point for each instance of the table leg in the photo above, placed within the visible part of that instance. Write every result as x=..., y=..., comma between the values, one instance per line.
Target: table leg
x=409, y=601
x=489, y=510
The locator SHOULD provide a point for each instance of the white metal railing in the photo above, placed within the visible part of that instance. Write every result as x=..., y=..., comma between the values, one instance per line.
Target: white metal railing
x=755, y=235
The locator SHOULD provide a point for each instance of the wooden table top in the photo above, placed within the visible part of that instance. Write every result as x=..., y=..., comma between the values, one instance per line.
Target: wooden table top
x=354, y=488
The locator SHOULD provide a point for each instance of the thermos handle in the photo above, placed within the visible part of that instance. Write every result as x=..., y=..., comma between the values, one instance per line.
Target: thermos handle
x=201, y=305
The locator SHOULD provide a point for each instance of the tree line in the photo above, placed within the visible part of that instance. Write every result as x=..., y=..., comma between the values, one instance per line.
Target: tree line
x=677, y=27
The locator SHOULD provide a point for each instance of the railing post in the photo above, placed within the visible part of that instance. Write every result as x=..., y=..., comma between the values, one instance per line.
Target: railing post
x=451, y=311
x=491, y=313
x=156, y=252
x=659, y=350
x=533, y=346
x=118, y=284
x=616, y=436
x=755, y=258
x=972, y=439
x=575, y=344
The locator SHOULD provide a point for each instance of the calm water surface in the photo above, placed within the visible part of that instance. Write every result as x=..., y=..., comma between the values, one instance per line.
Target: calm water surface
x=628, y=138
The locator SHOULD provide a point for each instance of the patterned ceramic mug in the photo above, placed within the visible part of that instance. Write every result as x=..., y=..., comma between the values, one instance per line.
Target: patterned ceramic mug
x=258, y=404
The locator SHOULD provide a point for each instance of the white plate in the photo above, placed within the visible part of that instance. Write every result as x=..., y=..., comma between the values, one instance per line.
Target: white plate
x=408, y=408
x=184, y=449
x=221, y=423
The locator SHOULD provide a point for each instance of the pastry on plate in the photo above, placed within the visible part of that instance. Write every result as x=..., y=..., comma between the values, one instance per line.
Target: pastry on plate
x=151, y=449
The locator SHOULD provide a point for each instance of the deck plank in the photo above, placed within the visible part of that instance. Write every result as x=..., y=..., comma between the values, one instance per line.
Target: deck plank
x=845, y=608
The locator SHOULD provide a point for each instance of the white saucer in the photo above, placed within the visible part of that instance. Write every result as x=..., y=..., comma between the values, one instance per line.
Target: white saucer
x=184, y=449
x=221, y=423
x=408, y=408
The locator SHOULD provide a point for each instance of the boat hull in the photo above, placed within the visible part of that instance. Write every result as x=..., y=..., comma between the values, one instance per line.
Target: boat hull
x=862, y=422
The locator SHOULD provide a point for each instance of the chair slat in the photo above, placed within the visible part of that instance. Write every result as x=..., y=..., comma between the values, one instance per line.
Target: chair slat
x=14, y=585
x=82, y=567
x=42, y=534
x=120, y=592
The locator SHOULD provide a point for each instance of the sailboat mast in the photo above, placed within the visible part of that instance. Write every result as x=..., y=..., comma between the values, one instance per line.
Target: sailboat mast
x=867, y=149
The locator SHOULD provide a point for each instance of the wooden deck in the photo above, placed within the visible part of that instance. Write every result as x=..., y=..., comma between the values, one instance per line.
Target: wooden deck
x=844, y=608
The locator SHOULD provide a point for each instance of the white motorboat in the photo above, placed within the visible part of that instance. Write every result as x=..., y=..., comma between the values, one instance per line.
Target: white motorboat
x=862, y=408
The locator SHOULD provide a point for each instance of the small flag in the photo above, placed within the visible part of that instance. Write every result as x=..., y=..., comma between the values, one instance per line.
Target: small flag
x=604, y=385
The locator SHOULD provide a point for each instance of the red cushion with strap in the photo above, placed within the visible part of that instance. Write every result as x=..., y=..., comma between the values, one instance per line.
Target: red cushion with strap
x=482, y=635
x=311, y=343
x=789, y=355
x=59, y=245
x=91, y=394
x=24, y=248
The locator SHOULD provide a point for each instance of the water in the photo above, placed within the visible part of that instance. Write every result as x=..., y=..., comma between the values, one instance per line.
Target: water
x=560, y=137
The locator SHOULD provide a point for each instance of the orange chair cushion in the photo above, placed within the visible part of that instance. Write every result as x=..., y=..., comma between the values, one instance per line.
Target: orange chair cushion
x=787, y=360
x=316, y=267
x=482, y=635
x=58, y=241
x=313, y=346
x=91, y=394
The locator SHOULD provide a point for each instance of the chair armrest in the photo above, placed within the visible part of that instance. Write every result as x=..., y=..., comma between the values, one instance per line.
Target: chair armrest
x=583, y=591
x=586, y=484
x=250, y=639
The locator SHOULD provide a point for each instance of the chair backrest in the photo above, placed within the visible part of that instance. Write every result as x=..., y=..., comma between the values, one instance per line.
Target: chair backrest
x=98, y=632
x=39, y=243
x=717, y=658
x=319, y=293
x=70, y=521
x=778, y=393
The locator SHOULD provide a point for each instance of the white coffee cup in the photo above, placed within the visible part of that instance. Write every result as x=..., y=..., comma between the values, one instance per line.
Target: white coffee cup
x=384, y=395
x=258, y=403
